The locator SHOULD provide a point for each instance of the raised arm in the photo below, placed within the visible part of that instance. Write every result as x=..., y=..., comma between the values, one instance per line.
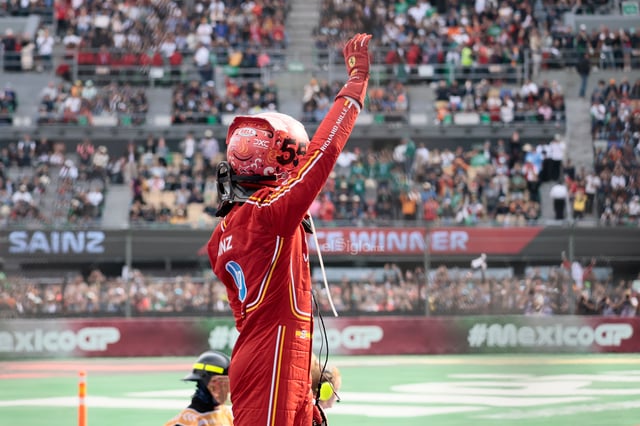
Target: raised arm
x=288, y=204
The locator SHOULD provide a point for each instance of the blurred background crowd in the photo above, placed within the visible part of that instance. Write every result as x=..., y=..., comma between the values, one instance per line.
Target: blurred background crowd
x=388, y=290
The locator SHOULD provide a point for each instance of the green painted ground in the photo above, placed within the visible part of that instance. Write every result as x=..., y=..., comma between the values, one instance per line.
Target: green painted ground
x=594, y=390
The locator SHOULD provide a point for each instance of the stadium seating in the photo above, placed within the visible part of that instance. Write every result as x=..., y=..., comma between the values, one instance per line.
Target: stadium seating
x=84, y=104
x=419, y=40
x=615, y=117
x=201, y=103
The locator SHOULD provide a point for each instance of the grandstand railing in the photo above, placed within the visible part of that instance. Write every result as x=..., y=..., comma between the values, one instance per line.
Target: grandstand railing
x=205, y=222
x=151, y=75
x=13, y=10
x=427, y=118
x=326, y=62
x=331, y=61
x=65, y=64
x=48, y=119
x=553, y=58
x=421, y=127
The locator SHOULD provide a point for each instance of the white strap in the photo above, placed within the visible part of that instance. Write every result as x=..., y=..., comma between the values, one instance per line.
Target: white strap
x=324, y=273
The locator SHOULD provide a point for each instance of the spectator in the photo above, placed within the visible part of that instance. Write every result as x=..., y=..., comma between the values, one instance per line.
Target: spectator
x=579, y=204
x=592, y=186
x=85, y=151
x=69, y=172
x=27, y=50
x=11, y=48
x=188, y=147
x=89, y=91
x=584, y=69
x=557, y=148
x=100, y=162
x=22, y=196
x=202, y=61
x=50, y=91
x=94, y=199
x=559, y=194
x=210, y=149
x=44, y=45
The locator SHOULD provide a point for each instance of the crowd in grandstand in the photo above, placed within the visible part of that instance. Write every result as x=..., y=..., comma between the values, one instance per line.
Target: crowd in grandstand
x=479, y=39
x=450, y=292
x=497, y=103
x=614, y=109
x=137, y=27
x=130, y=40
x=482, y=39
x=615, y=183
x=491, y=102
x=82, y=102
x=389, y=102
x=40, y=183
x=203, y=103
x=497, y=182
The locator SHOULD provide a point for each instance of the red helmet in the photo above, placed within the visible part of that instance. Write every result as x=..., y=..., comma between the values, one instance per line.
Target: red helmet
x=269, y=144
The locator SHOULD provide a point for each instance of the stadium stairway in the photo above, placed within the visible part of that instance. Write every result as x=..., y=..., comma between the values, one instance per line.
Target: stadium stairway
x=302, y=18
x=578, y=129
x=578, y=134
x=117, y=202
x=546, y=204
x=421, y=101
x=160, y=101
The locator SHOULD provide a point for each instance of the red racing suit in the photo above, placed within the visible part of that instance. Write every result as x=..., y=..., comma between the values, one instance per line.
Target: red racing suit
x=259, y=252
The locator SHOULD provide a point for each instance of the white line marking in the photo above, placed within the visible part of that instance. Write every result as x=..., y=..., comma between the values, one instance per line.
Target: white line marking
x=396, y=411
x=100, y=402
x=564, y=411
x=455, y=398
x=176, y=393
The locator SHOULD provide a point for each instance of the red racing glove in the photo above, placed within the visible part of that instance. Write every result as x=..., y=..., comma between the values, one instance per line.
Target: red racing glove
x=356, y=58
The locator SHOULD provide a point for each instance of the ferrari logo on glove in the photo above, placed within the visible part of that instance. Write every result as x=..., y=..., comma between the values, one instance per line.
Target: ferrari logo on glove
x=352, y=61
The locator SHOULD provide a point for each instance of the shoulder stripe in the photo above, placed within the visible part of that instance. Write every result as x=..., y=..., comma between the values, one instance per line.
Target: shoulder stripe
x=280, y=191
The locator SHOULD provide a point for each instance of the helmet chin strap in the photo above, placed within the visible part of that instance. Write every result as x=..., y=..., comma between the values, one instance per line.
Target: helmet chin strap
x=230, y=188
x=234, y=189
